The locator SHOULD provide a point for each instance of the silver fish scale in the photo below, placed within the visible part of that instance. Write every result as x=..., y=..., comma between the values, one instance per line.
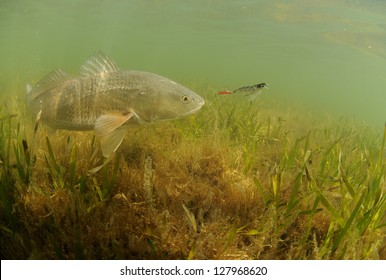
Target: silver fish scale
x=75, y=104
x=83, y=100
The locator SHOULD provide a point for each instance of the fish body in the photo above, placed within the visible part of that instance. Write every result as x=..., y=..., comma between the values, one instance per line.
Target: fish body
x=107, y=100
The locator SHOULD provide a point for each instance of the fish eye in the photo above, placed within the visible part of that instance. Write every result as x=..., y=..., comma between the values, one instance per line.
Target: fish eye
x=185, y=99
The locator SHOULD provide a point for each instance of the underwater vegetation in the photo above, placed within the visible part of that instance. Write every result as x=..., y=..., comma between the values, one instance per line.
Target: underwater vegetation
x=239, y=180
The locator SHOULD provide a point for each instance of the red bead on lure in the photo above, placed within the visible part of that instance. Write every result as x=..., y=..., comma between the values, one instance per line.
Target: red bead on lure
x=225, y=92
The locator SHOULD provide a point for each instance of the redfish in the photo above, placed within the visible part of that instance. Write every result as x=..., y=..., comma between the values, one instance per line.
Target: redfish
x=107, y=100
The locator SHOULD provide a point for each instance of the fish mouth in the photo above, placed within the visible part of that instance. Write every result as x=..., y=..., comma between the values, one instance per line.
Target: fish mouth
x=200, y=102
x=195, y=110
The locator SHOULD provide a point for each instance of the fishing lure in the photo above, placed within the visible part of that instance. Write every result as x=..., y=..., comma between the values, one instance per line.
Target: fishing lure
x=249, y=91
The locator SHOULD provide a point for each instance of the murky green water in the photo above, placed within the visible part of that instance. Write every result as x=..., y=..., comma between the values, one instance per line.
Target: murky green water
x=330, y=55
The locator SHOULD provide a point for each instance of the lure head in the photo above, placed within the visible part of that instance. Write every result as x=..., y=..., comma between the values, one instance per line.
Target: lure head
x=262, y=85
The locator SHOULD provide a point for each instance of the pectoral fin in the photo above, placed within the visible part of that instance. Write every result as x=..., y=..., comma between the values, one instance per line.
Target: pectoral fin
x=110, y=142
x=109, y=131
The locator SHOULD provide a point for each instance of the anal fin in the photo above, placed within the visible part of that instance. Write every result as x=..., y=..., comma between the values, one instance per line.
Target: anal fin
x=37, y=121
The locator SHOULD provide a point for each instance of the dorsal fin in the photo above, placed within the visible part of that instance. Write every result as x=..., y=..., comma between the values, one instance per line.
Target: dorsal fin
x=56, y=77
x=98, y=64
x=51, y=80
